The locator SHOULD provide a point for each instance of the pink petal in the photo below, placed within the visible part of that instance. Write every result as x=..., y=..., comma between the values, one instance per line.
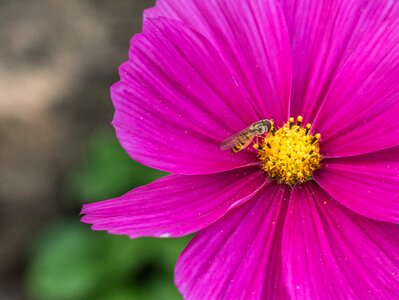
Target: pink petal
x=239, y=256
x=333, y=253
x=253, y=40
x=177, y=101
x=359, y=114
x=367, y=184
x=323, y=33
x=175, y=205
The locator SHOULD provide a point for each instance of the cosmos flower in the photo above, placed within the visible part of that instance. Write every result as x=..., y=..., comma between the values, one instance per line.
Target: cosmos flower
x=304, y=211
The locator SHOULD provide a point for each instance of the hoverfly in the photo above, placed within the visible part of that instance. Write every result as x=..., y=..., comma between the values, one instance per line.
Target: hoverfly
x=243, y=138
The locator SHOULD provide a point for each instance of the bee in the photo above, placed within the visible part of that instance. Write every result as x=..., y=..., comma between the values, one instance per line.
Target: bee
x=243, y=138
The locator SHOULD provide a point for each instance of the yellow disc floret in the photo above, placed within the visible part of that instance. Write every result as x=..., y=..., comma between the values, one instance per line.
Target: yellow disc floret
x=290, y=154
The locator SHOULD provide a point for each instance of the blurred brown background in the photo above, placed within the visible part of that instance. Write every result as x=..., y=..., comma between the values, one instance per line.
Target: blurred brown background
x=58, y=60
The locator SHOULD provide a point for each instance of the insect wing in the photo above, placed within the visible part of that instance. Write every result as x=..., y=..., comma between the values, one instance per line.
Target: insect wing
x=230, y=141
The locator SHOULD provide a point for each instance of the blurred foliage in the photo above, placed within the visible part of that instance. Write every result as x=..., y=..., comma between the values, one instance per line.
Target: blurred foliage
x=71, y=262
x=107, y=171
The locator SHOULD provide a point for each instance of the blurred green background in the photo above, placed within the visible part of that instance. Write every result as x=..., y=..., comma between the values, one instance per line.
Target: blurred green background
x=68, y=261
x=58, y=150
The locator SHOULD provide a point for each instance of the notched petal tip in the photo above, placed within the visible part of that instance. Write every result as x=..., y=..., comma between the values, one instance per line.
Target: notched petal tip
x=174, y=205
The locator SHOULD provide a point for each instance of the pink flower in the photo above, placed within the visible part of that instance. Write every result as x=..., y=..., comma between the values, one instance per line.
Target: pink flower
x=269, y=227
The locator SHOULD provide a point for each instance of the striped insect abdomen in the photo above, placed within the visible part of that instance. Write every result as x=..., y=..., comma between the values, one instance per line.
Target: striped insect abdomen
x=242, y=141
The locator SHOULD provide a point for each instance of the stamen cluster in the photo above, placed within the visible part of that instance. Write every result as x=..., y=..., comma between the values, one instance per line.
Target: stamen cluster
x=290, y=154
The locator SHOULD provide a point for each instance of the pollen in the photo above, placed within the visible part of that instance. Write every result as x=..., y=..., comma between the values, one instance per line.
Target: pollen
x=291, y=153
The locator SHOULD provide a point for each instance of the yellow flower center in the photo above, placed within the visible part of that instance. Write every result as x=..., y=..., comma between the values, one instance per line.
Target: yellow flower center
x=290, y=154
